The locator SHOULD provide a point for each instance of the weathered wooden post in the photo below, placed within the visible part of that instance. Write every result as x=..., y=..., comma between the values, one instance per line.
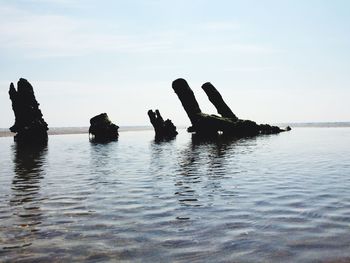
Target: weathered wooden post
x=29, y=126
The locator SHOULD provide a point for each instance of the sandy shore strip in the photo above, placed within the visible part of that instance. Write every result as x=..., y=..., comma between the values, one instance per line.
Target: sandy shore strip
x=77, y=130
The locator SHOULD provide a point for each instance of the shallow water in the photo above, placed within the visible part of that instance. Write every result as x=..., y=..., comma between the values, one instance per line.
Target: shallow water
x=272, y=198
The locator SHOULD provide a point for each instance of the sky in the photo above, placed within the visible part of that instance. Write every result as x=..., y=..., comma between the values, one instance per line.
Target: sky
x=273, y=61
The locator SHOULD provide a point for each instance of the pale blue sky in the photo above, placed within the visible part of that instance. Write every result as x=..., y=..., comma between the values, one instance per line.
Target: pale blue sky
x=273, y=61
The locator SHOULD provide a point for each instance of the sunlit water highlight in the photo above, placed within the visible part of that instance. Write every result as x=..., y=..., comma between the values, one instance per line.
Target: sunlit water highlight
x=273, y=198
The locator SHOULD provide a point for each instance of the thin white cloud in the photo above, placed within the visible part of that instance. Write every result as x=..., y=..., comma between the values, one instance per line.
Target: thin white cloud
x=56, y=35
x=61, y=2
x=229, y=48
x=251, y=69
x=221, y=26
x=48, y=35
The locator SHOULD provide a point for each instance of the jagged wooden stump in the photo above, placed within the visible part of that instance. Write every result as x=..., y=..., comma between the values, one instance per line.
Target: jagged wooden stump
x=102, y=129
x=163, y=129
x=29, y=126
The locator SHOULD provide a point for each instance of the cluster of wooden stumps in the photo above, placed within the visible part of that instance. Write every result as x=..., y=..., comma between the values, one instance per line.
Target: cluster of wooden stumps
x=30, y=126
x=210, y=125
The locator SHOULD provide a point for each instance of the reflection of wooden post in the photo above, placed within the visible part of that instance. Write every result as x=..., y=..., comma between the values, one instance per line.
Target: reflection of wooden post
x=217, y=100
x=188, y=100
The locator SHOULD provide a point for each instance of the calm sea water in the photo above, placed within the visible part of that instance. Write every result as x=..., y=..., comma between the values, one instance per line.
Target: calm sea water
x=279, y=198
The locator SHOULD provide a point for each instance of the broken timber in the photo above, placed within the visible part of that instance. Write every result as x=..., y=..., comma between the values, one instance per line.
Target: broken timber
x=209, y=125
x=163, y=129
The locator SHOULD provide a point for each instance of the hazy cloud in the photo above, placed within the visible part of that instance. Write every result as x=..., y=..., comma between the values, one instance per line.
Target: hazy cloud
x=251, y=69
x=221, y=26
x=52, y=35
x=57, y=35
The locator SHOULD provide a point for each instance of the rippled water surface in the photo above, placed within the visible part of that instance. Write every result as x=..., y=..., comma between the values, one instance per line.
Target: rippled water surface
x=266, y=199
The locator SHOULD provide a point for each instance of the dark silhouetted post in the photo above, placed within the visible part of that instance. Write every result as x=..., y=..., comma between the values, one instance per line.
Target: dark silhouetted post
x=102, y=129
x=163, y=129
x=188, y=100
x=217, y=100
x=29, y=123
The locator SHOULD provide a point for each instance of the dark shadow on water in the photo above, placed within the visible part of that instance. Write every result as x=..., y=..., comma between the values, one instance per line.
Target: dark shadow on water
x=161, y=140
x=204, y=165
x=26, y=198
x=28, y=169
x=103, y=159
x=217, y=141
x=161, y=150
x=102, y=152
x=199, y=169
x=102, y=146
x=100, y=141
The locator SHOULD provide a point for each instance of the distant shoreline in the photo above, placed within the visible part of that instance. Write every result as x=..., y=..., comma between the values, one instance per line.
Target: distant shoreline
x=315, y=124
x=76, y=130
x=84, y=130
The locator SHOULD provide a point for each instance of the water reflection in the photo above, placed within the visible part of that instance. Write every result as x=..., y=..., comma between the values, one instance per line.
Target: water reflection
x=161, y=150
x=103, y=156
x=162, y=140
x=203, y=165
x=218, y=146
x=26, y=198
x=28, y=172
x=103, y=166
